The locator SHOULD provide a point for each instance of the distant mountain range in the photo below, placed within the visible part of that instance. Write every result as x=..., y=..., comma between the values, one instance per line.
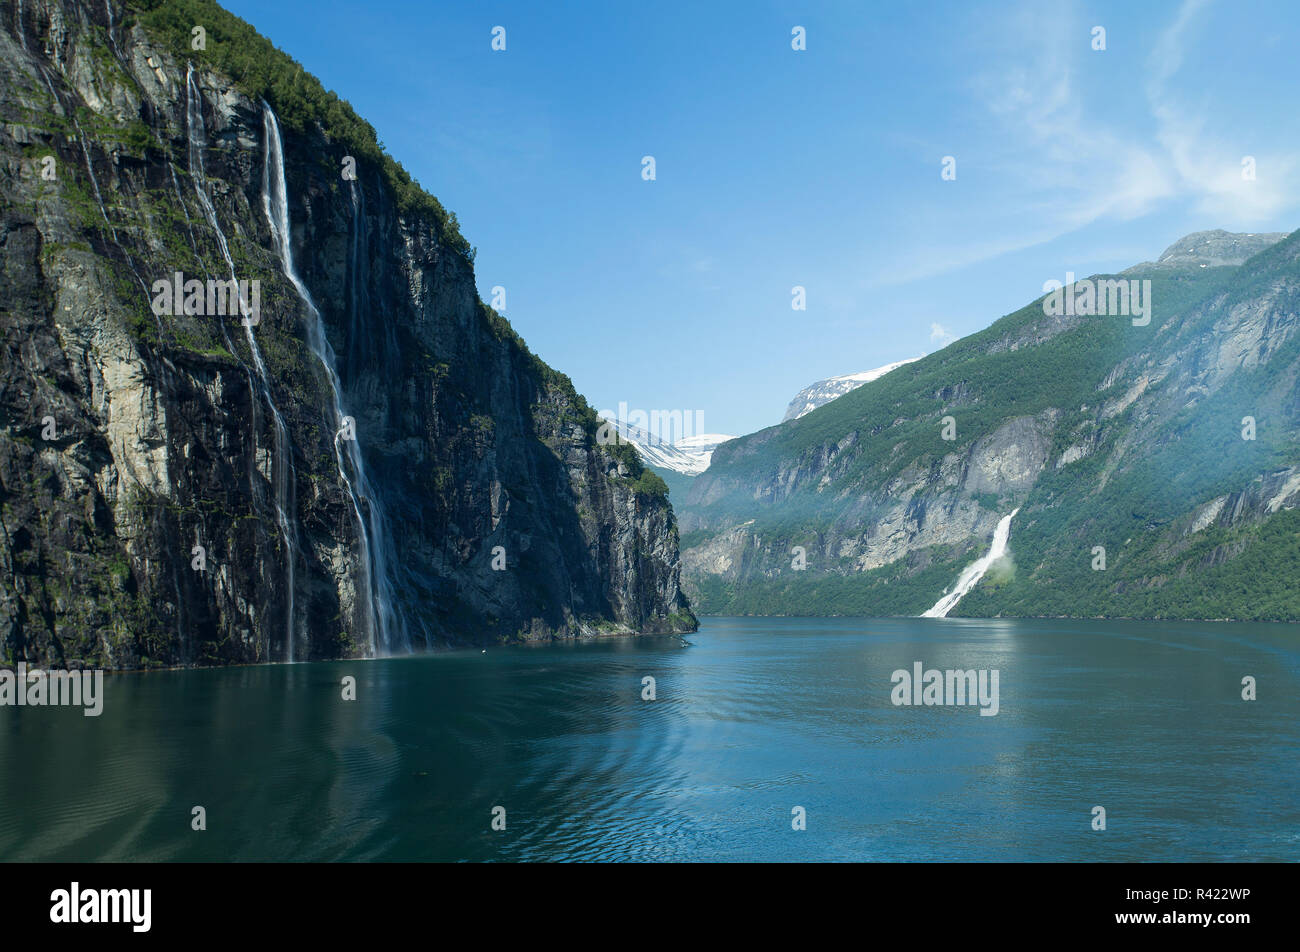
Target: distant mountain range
x=688, y=455
x=691, y=455
x=1151, y=463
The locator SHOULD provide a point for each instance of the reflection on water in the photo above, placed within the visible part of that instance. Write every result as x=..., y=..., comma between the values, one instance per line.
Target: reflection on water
x=753, y=717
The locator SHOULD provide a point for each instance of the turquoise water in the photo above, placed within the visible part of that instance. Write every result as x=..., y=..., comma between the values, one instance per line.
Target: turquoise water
x=753, y=718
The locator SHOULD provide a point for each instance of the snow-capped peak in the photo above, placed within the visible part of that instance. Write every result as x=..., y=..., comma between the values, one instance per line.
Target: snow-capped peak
x=689, y=455
x=824, y=391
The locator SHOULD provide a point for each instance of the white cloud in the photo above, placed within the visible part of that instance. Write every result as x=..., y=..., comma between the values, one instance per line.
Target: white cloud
x=1208, y=170
x=1074, y=163
x=1071, y=150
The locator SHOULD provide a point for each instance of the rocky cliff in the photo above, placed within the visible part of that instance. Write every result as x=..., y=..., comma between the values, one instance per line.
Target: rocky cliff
x=342, y=453
x=1154, y=460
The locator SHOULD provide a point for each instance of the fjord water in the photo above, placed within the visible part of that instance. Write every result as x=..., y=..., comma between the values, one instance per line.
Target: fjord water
x=753, y=717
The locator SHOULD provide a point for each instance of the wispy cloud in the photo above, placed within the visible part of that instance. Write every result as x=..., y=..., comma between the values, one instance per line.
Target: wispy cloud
x=1209, y=170
x=1075, y=163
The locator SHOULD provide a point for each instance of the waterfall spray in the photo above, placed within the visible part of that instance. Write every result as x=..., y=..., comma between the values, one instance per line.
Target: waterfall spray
x=281, y=460
x=387, y=631
x=971, y=575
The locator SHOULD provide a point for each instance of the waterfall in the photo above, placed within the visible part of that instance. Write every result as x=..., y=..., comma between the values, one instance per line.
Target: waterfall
x=281, y=461
x=176, y=187
x=356, y=281
x=112, y=41
x=99, y=200
x=85, y=152
x=90, y=171
x=387, y=631
x=81, y=139
x=971, y=575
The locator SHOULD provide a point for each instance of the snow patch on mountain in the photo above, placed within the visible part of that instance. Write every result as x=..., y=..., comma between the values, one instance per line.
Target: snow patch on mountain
x=689, y=455
x=824, y=391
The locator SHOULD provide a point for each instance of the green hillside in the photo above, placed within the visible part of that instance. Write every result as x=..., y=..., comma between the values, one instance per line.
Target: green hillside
x=1139, y=426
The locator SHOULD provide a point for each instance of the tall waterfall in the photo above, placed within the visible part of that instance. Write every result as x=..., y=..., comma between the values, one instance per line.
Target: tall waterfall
x=387, y=631
x=112, y=40
x=358, y=302
x=282, y=475
x=971, y=575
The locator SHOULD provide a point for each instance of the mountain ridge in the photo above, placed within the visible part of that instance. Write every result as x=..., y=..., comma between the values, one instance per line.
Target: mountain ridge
x=822, y=392
x=1047, y=414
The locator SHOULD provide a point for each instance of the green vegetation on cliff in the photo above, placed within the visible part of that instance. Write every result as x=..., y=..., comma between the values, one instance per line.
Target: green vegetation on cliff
x=1139, y=449
x=262, y=71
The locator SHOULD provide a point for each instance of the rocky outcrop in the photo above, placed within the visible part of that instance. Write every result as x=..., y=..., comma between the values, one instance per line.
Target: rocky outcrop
x=173, y=487
x=924, y=505
x=1212, y=249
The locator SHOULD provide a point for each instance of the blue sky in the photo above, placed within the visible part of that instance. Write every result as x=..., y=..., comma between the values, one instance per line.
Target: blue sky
x=819, y=168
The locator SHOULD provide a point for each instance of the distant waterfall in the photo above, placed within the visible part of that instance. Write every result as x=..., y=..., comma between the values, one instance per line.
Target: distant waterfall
x=176, y=187
x=971, y=575
x=282, y=460
x=112, y=40
x=90, y=169
x=99, y=200
x=387, y=632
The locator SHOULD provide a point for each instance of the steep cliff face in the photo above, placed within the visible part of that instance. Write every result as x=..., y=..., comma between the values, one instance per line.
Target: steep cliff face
x=363, y=460
x=1155, y=465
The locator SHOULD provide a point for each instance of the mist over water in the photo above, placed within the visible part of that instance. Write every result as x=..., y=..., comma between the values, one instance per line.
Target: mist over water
x=753, y=717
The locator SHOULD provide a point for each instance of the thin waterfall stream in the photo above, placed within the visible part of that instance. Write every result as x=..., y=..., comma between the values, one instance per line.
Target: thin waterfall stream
x=281, y=460
x=387, y=631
